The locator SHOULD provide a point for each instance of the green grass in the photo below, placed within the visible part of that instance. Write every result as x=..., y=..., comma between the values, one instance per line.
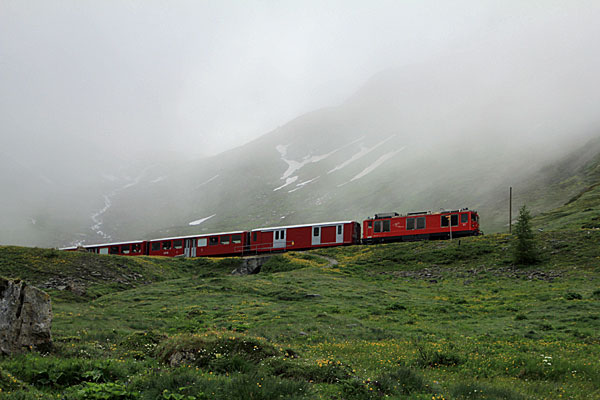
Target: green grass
x=442, y=320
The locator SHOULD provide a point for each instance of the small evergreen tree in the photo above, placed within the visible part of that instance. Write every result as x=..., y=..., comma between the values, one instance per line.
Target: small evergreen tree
x=525, y=249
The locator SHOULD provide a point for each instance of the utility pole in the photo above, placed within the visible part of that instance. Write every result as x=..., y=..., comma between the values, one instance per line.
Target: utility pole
x=510, y=210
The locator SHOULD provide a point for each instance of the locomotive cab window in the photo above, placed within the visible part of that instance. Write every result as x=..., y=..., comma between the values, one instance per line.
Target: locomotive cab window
x=155, y=246
x=386, y=225
x=475, y=218
x=370, y=224
x=178, y=243
x=421, y=223
x=225, y=239
x=445, y=219
x=464, y=218
x=454, y=220
x=213, y=241
x=236, y=239
x=410, y=224
x=377, y=226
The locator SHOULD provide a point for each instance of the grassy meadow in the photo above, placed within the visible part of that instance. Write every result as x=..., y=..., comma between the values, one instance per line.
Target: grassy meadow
x=424, y=320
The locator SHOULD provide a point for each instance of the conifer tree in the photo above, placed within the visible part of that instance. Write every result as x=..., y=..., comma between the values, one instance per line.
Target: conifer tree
x=525, y=249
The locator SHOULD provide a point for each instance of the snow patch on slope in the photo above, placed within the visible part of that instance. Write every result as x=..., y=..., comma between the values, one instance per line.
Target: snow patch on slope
x=288, y=182
x=201, y=220
x=376, y=164
x=361, y=153
x=294, y=165
x=302, y=184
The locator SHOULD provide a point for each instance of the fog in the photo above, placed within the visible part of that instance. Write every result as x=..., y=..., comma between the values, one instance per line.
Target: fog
x=91, y=88
x=200, y=77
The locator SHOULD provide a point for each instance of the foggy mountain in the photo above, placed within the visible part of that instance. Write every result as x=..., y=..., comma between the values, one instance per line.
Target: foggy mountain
x=444, y=134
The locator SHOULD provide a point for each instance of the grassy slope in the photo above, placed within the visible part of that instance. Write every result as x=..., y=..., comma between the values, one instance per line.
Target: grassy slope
x=456, y=315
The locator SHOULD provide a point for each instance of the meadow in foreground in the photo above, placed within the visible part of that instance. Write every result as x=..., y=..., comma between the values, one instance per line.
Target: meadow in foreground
x=425, y=320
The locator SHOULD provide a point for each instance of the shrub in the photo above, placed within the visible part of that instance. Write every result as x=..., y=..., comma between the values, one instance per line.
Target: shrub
x=573, y=296
x=141, y=344
x=430, y=358
x=203, y=350
x=100, y=391
x=324, y=371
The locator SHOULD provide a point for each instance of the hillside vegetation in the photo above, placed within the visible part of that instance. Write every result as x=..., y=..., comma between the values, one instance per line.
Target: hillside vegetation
x=442, y=320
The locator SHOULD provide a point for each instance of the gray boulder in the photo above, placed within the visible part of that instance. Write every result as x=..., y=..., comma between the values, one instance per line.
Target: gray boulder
x=25, y=318
x=250, y=265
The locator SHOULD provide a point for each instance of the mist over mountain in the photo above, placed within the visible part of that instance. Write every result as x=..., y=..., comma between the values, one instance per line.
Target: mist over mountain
x=453, y=132
x=102, y=134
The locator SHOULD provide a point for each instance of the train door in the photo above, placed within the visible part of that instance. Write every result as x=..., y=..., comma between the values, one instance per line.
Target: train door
x=190, y=248
x=339, y=234
x=316, y=235
x=279, y=238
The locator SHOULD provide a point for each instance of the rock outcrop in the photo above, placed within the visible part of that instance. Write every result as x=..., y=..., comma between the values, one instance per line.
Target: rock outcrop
x=251, y=265
x=25, y=318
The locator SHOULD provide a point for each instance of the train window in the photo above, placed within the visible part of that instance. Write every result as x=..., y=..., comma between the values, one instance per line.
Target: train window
x=316, y=231
x=276, y=235
x=445, y=221
x=339, y=230
x=166, y=245
x=125, y=248
x=213, y=241
x=155, y=246
x=386, y=225
x=178, y=243
x=254, y=236
x=454, y=220
x=377, y=226
x=464, y=218
x=282, y=236
x=410, y=224
x=225, y=239
x=136, y=248
x=420, y=223
x=236, y=238
x=370, y=224
x=114, y=250
x=475, y=218
x=104, y=250
x=201, y=242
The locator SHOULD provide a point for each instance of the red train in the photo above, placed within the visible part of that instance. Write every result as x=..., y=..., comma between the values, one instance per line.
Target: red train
x=381, y=228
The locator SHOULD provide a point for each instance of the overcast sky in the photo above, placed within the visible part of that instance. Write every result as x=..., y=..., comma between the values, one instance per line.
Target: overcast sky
x=199, y=77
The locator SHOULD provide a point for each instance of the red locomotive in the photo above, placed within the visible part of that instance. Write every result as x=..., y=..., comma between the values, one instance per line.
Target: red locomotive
x=381, y=228
x=424, y=225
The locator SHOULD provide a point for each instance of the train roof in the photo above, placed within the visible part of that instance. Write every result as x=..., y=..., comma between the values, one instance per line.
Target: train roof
x=274, y=228
x=196, y=236
x=414, y=214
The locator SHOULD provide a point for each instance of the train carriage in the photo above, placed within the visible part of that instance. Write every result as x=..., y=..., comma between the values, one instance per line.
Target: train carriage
x=134, y=248
x=420, y=226
x=213, y=244
x=303, y=237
